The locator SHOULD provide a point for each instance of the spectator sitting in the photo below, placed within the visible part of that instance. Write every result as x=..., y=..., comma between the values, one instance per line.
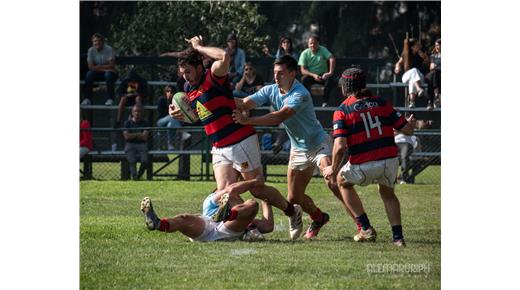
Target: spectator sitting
x=136, y=142
x=85, y=138
x=286, y=47
x=433, y=77
x=101, y=60
x=265, y=50
x=317, y=66
x=413, y=76
x=238, y=59
x=165, y=120
x=250, y=82
x=132, y=91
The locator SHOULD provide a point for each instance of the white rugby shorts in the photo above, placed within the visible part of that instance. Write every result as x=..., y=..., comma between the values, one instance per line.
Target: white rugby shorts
x=244, y=156
x=301, y=160
x=216, y=231
x=373, y=172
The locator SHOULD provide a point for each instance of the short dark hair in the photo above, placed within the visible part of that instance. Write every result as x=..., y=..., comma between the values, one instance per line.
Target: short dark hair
x=289, y=62
x=353, y=80
x=315, y=36
x=190, y=57
x=98, y=35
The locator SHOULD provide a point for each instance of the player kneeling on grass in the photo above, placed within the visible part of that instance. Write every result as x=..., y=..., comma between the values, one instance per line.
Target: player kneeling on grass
x=225, y=216
x=365, y=124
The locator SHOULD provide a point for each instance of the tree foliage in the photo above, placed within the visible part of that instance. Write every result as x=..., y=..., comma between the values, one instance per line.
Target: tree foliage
x=156, y=27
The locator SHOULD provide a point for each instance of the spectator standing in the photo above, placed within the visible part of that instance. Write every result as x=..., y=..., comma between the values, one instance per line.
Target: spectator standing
x=164, y=118
x=237, y=59
x=132, y=91
x=406, y=145
x=250, y=82
x=433, y=78
x=101, y=59
x=413, y=76
x=317, y=66
x=85, y=138
x=136, y=142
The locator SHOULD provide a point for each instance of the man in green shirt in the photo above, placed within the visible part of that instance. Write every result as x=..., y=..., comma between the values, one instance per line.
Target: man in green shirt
x=317, y=66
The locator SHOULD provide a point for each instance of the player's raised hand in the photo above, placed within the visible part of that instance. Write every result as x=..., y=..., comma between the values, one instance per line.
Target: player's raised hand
x=195, y=41
x=411, y=118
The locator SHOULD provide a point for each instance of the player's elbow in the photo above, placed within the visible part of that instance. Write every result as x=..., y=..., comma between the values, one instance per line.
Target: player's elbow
x=224, y=56
x=407, y=130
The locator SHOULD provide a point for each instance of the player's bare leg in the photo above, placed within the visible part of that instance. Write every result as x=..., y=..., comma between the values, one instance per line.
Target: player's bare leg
x=190, y=225
x=225, y=175
x=266, y=224
x=275, y=198
x=245, y=213
x=297, y=183
x=393, y=211
x=333, y=186
x=255, y=230
x=349, y=193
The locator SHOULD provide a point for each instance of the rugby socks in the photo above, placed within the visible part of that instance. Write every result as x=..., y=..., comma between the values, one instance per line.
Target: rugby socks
x=363, y=220
x=317, y=216
x=397, y=232
x=164, y=225
x=358, y=224
x=289, y=211
x=233, y=216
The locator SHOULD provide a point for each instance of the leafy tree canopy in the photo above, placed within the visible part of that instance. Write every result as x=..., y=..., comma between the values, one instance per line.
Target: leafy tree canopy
x=157, y=27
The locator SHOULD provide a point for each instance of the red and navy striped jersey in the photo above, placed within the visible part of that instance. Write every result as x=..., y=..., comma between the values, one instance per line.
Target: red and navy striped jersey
x=214, y=103
x=368, y=125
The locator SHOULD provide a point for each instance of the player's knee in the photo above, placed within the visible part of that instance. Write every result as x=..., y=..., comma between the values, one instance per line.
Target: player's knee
x=292, y=198
x=268, y=227
x=343, y=183
x=332, y=185
x=182, y=217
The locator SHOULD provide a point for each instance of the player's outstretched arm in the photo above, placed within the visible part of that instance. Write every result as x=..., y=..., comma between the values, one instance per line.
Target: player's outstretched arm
x=271, y=119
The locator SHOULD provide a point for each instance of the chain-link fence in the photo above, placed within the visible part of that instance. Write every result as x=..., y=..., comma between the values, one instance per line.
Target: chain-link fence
x=185, y=154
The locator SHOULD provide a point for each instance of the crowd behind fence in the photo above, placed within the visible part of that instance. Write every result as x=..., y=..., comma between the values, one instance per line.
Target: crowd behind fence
x=191, y=158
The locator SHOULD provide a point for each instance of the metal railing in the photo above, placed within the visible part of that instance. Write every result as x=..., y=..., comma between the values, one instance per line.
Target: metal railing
x=190, y=158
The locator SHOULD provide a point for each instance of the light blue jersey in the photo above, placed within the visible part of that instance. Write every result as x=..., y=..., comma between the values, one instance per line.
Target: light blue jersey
x=209, y=206
x=304, y=129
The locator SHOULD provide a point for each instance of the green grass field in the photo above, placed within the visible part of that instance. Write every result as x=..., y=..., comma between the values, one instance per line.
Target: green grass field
x=117, y=252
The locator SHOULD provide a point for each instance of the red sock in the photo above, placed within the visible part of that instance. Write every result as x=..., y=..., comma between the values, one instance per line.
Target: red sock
x=164, y=225
x=234, y=214
x=317, y=215
x=358, y=226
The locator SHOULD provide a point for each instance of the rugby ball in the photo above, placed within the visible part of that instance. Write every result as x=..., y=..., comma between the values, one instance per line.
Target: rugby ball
x=180, y=101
